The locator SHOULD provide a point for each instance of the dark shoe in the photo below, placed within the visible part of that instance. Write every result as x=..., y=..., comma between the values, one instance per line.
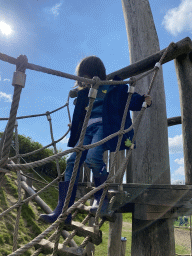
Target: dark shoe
x=52, y=217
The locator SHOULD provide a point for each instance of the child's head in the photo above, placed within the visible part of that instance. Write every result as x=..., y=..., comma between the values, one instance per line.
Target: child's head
x=91, y=66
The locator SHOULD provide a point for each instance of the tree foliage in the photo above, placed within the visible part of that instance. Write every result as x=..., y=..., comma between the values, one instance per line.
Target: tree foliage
x=26, y=144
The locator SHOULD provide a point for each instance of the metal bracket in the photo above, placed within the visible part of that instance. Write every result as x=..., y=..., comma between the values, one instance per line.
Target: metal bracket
x=144, y=105
x=158, y=65
x=96, y=228
x=19, y=79
x=92, y=93
x=131, y=89
x=48, y=117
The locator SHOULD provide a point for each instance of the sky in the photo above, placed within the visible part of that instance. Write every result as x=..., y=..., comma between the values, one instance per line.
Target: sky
x=57, y=35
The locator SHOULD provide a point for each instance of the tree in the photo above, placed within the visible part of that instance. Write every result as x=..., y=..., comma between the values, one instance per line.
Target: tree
x=26, y=144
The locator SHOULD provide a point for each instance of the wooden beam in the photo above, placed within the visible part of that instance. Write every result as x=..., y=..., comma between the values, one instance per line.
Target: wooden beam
x=183, y=66
x=182, y=47
x=173, y=121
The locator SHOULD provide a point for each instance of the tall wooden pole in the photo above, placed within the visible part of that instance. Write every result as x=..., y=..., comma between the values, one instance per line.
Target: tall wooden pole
x=115, y=228
x=150, y=161
x=183, y=65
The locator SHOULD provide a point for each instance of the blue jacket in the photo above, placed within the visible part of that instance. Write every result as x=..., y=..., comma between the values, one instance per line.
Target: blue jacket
x=113, y=108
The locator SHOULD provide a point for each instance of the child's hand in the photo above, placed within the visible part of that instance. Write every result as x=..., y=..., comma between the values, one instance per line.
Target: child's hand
x=69, y=125
x=148, y=99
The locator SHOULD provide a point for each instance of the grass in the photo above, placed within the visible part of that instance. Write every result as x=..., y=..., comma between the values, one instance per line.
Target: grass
x=29, y=227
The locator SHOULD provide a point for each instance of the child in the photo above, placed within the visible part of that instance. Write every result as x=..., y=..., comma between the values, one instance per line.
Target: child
x=105, y=119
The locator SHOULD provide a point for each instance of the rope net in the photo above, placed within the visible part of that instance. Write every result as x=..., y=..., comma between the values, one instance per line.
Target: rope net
x=7, y=164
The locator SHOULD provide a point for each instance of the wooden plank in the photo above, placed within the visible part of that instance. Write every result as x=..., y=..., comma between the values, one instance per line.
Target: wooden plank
x=48, y=246
x=148, y=212
x=182, y=47
x=167, y=195
x=82, y=230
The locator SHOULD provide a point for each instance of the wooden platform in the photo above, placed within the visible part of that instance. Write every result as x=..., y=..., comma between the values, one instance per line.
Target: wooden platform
x=149, y=202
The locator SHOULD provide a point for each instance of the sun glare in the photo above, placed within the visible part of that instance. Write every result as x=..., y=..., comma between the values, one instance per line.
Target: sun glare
x=5, y=29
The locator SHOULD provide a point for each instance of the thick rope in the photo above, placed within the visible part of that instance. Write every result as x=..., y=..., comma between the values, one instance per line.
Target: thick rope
x=120, y=137
x=15, y=235
x=37, y=115
x=21, y=66
x=54, y=144
x=76, y=167
x=59, y=155
x=40, y=149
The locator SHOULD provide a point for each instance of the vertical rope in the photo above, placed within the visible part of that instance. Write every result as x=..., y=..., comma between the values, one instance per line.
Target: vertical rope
x=120, y=137
x=76, y=166
x=15, y=235
x=53, y=141
x=21, y=67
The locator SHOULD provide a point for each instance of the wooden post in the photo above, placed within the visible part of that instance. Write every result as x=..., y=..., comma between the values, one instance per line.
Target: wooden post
x=90, y=248
x=129, y=174
x=183, y=66
x=123, y=246
x=150, y=159
x=115, y=228
x=114, y=241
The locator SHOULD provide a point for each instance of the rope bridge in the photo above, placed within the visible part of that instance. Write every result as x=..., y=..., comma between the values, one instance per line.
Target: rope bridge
x=91, y=234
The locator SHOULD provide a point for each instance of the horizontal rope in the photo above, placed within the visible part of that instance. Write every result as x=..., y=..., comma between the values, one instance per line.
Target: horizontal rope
x=59, y=155
x=37, y=115
x=40, y=149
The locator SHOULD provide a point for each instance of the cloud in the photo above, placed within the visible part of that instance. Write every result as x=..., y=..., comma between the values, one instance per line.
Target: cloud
x=55, y=9
x=179, y=19
x=179, y=161
x=6, y=79
x=176, y=144
x=64, y=141
x=6, y=97
x=180, y=170
x=178, y=182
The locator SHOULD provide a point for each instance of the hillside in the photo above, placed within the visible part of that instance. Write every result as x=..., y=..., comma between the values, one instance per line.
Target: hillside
x=30, y=227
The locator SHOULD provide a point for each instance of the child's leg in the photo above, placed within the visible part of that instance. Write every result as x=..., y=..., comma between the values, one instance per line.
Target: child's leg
x=70, y=166
x=63, y=188
x=94, y=159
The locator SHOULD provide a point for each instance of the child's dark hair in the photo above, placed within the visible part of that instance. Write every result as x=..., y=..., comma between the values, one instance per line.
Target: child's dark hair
x=91, y=66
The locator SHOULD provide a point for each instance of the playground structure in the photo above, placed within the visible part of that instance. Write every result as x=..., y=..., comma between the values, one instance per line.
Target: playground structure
x=149, y=203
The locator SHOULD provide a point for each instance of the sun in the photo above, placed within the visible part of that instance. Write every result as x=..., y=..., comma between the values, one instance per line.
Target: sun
x=5, y=29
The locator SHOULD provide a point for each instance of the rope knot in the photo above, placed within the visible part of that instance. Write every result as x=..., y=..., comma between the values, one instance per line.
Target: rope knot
x=97, y=82
x=79, y=148
x=48, y=116
x=132, y=80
